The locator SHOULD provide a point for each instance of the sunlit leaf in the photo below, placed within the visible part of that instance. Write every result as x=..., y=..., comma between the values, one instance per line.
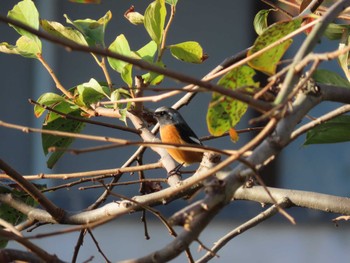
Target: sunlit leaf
x=126, y=74
x=343, y=59
x=47, y=99
x=330, y=78
x=268, y=61
x=91, y=92
x=189, y=51
x=8, y=48
x=154, y=20
x=120, y=46
x=134, y=17
x=64, y=107
x=154, y=78
x=118, y=94
x=333, y=131
x=147, y=52
x=25, y=12
x=93, y=30
x=58, y=30
x=26, y=47
x=224, y=112
x=260, y=20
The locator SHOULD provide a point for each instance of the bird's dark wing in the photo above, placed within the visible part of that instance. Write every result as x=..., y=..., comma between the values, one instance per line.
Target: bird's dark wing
x=187, y=134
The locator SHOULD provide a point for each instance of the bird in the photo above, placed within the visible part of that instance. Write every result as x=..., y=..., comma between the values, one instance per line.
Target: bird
x=174, y=129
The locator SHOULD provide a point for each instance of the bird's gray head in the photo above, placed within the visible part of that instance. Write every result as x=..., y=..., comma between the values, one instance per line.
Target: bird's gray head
x=166, y=115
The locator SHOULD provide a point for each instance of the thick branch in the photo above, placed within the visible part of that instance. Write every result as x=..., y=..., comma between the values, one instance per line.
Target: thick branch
x=46, y=257
x=312, y=200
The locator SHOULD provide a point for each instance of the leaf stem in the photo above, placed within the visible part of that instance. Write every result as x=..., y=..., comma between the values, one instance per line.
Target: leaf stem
x=54, y=77
x=102, y=64
x=165, y=34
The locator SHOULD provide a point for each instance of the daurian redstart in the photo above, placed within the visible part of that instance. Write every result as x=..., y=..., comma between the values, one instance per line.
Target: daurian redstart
x=174, y=129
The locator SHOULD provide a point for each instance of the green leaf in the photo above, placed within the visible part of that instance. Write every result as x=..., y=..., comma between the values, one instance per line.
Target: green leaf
x=8, y=48
x=134, y=17
x=47, y=99
x=154, y=20
x=333, y=131
x=25, y=12
x=62, y=143
x=120, y=46
x=335, y=31
x=91, y=92
x=10, y=214
x=65, y=107
x=330, y=78
x=93, y=31
x=126, y=74
x=268, y=61
x=260, y=20
x=119, y=94
x=224, y=112
x=147, y=52
x=343, y=59
x=189, y=51
x=26, y=47
x=154, y=78
x=58, y=30
x=171, y=2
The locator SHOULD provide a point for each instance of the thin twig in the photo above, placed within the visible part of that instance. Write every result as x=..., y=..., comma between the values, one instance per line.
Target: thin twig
x=283, y=11
x=78, y=245
x=98, y=246
x=105, y=172
x=71, y=117
x=54, y=77
x=312, y=124
x=121, y=142
x=271, y=211
x=102, y=64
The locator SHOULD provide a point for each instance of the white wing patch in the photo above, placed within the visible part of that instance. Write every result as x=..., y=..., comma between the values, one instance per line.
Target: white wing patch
x=195, y=140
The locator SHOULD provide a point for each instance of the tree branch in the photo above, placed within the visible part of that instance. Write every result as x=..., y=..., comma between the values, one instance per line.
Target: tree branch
x=42, y=254
x=57, y=213
x=317, y=201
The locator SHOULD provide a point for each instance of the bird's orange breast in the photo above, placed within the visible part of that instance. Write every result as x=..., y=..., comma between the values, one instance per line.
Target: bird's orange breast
x=169, y=134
